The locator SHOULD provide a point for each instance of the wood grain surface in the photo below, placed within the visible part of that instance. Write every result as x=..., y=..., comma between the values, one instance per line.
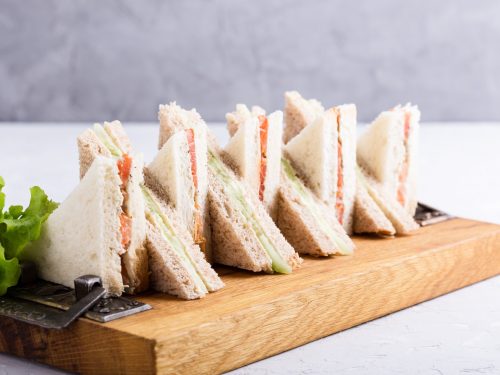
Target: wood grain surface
x=257, y=315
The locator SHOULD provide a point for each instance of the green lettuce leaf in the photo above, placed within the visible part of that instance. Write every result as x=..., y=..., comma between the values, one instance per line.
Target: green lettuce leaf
x=18, y=228
x=2, y=196
x=9, y=272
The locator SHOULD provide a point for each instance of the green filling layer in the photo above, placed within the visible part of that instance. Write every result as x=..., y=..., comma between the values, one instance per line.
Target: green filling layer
x=100, y=132
x=237, y=196
x=309, y=202
x=169, y=234
x=159, y=218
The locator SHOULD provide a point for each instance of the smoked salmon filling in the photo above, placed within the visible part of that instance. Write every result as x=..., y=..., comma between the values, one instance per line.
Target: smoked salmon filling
x=199, y=239
x=263, y=131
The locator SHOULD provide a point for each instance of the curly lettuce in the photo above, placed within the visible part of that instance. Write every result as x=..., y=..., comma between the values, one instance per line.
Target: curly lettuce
x=9, y=272
x=18, y=228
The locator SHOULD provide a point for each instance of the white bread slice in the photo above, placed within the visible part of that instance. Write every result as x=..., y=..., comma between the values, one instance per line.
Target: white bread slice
x=172, y=167
x=242, y=152
x=381, y=151
x=307, y=223
x=170, y=273
x=299, y=113
x=313, y=153
x=235, y=242
x=82, y=236
x=274, y=153
x=240, y=116
x=402, y=221
x=368, y=217
x=135, y=260
x=172, y=170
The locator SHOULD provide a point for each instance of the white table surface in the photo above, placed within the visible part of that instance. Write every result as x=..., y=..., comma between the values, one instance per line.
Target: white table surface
x=456, y=333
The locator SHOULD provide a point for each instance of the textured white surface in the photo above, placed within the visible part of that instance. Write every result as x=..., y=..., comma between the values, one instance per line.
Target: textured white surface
x=456, y=333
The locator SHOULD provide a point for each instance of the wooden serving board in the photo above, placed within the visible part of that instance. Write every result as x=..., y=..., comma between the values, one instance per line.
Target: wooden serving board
x=256, y=316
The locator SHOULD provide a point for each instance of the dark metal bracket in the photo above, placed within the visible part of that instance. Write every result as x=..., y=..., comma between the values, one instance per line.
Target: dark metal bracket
x=51, y=305
x=426, y=215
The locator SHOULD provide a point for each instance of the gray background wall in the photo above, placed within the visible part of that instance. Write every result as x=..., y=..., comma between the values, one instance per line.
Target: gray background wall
x=89, y=60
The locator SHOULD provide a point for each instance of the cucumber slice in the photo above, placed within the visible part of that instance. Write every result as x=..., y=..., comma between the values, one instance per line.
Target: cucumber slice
x=107, y=141
x=278, y=263
x=309, y=202
x=169, y=234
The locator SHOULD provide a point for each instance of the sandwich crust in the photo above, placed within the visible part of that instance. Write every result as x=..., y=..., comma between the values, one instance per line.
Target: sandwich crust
x=240, y=116
x=167, y=272
x=174, y=118
x=402, y=221
x=368, y=217
x=169, y=275
x=234, y=243
x=299, y=113
x=89, y=146
x=231, y=244
x=300, y=227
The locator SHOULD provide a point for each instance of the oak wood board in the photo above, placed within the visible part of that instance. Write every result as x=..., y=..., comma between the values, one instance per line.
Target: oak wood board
x=258, y=315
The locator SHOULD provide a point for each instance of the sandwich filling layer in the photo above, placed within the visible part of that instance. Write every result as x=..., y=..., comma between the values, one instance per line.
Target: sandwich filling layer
x=339, y=203
x=107, y=141
x=263, y=132
x=308, y=201
x=124, y=164
x=124, y=167
x=403, y=173
x=161, y=221
x=198, y=220
x=236, y=195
